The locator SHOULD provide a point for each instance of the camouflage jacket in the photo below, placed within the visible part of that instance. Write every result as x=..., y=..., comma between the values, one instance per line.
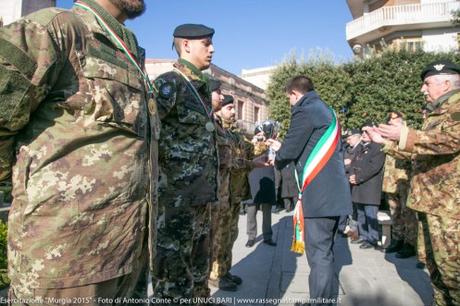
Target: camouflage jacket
x=395, y=174
x=435, y=154
x=73, y=114
x=241, y=164
x=187, y=149
x=243, y=153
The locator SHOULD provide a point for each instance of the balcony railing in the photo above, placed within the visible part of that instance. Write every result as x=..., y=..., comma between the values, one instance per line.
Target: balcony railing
x=402, y=15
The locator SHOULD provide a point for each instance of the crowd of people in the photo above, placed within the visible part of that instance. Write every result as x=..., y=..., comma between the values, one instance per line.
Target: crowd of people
x=116, y=178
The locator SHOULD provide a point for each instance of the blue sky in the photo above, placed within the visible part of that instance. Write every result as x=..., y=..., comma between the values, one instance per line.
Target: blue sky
x=249, y=33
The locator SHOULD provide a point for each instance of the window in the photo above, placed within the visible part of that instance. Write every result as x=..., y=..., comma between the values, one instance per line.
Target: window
x=240, y=109
x=410, y=44
x=256, y=114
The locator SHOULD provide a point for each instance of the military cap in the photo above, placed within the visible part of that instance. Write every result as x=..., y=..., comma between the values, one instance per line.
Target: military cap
x=214, y=84
x=227, y=100
x=440, y=67
x=353, y=132
x=193, y=31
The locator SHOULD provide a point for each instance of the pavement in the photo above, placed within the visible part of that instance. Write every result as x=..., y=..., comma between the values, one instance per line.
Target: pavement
x=277, y=276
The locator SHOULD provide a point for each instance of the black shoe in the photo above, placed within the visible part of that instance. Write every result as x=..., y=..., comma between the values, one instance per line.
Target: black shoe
x=366, y=245
x=250, y=243
x=234, y=278
x=406, y=251
x=270, y=242
x=420, y=265
x=223, y=284
x=359, y=241
x=394, y=246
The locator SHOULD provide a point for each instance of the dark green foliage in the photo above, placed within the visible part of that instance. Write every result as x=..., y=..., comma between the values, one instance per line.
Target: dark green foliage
x=4, y=280
x=361, y=90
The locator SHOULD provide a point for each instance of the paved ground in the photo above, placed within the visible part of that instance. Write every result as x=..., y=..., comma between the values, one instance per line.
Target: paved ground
x=367, y=277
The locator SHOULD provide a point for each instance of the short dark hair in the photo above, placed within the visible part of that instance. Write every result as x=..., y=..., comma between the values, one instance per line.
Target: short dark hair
x=300, y=83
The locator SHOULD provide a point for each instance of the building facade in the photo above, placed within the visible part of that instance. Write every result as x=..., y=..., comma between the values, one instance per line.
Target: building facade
x=402, y=24
x=11, y=10
x=258, y=76
x=251, y=105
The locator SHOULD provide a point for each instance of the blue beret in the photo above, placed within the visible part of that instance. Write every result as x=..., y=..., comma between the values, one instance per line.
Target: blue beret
x=193, y=31
x=440, y=67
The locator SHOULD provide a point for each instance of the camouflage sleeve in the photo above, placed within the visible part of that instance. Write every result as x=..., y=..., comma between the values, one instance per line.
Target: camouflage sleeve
x=391, y=148
x=27, y=54
x=244, y=154
x=167, y=85
x=436, y=142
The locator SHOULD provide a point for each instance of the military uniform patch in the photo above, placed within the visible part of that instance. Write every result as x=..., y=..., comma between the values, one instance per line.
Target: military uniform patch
x=167, y=90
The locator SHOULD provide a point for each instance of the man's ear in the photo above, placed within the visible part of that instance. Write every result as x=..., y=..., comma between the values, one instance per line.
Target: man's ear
x=186, y=45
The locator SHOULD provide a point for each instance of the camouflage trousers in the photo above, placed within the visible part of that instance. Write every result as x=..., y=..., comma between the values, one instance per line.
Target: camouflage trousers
x=439, y=248
x=226, y=223
x=129, y=289
x=404, y=219
x=183, y=252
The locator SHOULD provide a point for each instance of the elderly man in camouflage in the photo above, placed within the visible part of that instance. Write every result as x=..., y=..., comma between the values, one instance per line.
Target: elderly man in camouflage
x=188, y=168
x=435, y=182
x=76, y=127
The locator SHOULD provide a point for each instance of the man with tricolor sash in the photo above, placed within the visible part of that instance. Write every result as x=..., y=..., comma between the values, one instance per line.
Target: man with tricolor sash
x=78, y=136
x=313, y=143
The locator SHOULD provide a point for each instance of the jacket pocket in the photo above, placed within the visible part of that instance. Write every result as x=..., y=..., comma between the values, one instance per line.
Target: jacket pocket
x=117, y=95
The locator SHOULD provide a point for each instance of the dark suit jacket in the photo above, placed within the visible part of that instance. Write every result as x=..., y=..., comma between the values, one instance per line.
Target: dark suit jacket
x=368, y=168
x=328, y=194
x=262, y=184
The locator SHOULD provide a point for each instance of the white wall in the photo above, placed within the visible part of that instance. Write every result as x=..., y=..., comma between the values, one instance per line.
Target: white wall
x=437, y=40
x=11, y=10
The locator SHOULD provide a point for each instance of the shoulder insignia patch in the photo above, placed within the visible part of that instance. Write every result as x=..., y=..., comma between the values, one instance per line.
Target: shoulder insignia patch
x=167, y=90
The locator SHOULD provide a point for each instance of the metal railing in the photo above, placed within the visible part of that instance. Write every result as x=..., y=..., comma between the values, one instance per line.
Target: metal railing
x=402, y=14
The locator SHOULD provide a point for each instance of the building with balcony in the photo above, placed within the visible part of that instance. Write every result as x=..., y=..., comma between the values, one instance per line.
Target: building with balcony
x=11, y=10
x=251, y=105
x=409, y=24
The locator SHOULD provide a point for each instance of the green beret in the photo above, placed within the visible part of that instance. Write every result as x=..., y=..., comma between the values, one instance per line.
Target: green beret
x=214, y=84
x=440, y=67
x=193, y=31
x=227, y=100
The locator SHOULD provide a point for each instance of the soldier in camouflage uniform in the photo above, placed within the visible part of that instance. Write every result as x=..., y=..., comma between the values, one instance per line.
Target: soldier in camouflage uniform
x=188, y=168
x=396, y=187
x=237, y=161
x=435, y=177
x=77, y=127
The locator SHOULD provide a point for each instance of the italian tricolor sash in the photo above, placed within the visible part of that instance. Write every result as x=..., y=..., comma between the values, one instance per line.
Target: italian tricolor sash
x=318, y=158
x=120, y=44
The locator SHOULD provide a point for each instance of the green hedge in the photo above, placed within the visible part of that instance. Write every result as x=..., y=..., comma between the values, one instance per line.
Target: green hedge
x=4, y=280
x=360, y=90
